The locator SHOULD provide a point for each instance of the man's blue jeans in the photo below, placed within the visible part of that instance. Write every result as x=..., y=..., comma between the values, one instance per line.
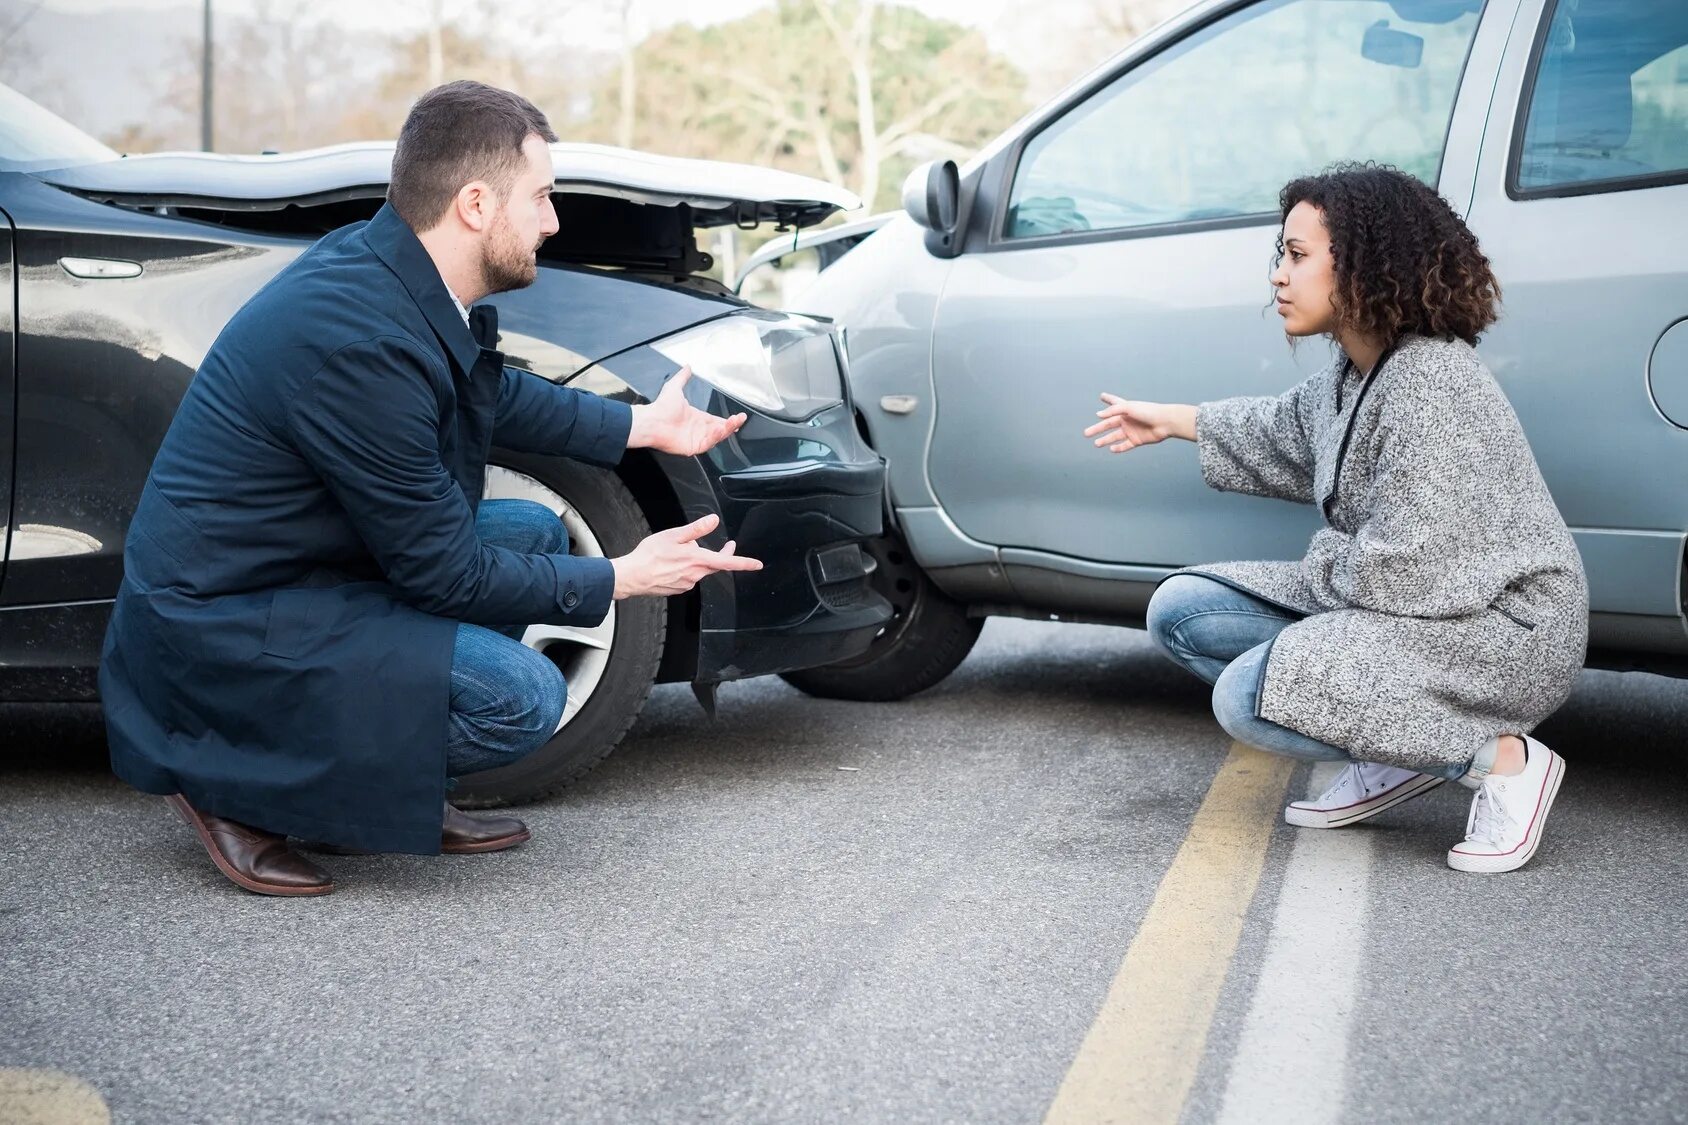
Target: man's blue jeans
x=506, y=698
x=1224, y=635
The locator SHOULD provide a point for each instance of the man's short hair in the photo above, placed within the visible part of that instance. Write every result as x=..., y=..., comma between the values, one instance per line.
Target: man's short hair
x=456, y=134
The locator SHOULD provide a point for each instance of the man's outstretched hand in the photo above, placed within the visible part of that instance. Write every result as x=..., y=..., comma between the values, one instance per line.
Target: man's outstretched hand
x=671, y=562
x=673, y=425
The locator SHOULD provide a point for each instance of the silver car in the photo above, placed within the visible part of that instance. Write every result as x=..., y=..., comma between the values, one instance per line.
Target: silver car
x=1119, y=238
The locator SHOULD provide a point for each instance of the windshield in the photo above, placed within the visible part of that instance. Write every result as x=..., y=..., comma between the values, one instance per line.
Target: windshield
x=32, y=139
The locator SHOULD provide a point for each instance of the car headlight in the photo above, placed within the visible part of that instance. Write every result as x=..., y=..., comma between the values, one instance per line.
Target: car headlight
x=778, y=364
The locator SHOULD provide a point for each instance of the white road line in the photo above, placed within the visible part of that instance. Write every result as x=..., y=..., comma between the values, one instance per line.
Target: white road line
x=1291, y=1062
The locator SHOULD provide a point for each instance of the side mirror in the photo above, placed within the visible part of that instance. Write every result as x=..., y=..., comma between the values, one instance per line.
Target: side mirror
x=932, y=195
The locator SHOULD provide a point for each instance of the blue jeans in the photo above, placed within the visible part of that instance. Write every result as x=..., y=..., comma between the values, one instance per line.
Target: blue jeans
x=506, y=698
x=1224, y=636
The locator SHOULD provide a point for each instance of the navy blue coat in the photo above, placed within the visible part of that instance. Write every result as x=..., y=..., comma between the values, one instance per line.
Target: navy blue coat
x=304, y=547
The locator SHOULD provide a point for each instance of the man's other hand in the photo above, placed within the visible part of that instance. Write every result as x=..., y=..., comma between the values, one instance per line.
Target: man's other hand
x=671, y=562
x=673, y=425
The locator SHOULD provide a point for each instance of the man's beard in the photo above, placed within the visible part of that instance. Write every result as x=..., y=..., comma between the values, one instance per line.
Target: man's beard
x=505, y=262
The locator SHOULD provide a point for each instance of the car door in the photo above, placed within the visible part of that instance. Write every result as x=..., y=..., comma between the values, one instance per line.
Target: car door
x=1581, y=201
x=1128, y=246
x=115, y=309
x=8, y=384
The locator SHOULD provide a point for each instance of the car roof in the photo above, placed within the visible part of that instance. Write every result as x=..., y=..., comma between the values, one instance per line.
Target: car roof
x=718, y=192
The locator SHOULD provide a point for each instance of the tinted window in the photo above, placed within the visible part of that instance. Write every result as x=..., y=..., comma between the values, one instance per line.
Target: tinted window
x=1608, y=95
x=1217, y=124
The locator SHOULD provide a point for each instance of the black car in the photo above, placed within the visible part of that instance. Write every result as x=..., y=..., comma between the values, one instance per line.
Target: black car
x=116, y=273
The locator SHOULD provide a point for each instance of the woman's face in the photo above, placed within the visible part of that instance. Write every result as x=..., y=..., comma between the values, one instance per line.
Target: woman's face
x=1305, y=279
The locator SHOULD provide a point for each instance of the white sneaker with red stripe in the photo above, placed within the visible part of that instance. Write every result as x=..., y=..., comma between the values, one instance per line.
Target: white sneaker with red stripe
x=1361, y=790
x=1508, y=814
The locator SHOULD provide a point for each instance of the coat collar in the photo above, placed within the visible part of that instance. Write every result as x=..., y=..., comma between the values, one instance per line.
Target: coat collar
x=398, y=247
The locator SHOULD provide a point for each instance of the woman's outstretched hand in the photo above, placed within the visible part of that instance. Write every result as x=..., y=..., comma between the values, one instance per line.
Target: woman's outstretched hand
x=1126, y=424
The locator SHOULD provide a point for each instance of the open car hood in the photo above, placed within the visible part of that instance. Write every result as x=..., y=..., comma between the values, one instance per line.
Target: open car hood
x=717, y=192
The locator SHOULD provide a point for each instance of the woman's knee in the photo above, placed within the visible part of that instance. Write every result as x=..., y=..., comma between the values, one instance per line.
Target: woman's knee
x=1174, y=602
x=1234, y=695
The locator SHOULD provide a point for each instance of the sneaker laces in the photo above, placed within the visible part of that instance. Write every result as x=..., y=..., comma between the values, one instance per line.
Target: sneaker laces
x=1490, y=821
x=1351, y=777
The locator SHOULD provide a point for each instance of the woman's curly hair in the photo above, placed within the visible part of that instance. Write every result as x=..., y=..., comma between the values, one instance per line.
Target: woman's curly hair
x=1405, y=263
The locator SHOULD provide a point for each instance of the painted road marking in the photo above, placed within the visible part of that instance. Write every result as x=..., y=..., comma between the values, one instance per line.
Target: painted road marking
x=49, y=1097
x=1139, y=1059
x=1291, y=1062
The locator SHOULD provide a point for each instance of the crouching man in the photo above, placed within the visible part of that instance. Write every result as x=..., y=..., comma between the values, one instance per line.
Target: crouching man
x=315, y=625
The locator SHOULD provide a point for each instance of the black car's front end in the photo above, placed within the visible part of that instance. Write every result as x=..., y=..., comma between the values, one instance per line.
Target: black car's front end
x=797, y=487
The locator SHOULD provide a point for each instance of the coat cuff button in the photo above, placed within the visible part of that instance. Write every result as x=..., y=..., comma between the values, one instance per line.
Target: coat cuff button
x=570, y=600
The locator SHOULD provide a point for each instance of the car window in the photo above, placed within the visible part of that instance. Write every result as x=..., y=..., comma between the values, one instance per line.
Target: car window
x=1608, y=100
x=776, y=283
x=1216, y=124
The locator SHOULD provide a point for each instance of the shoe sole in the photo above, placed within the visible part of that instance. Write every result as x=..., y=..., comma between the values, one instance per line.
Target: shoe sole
x=1303, y=817
x=494, y=845
x=191, y=819
x=1479, y=864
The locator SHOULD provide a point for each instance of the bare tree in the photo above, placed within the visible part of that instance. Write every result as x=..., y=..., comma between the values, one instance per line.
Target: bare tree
x=846, y=86
x=17, y=58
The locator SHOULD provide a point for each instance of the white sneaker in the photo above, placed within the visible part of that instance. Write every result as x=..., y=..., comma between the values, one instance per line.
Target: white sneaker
x=1361, y=790
x=1508, y=813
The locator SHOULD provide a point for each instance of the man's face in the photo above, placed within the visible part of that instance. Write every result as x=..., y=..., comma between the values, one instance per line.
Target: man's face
x=526, y=219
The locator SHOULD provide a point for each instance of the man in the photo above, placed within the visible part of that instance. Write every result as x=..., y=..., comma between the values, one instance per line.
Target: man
x=305, y=640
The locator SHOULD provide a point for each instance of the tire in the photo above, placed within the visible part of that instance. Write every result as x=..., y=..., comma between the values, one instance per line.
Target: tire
x=929, y=636
x=609, y=669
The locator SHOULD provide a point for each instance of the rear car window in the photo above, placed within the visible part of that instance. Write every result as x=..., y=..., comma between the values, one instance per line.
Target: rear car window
x=1608, y=98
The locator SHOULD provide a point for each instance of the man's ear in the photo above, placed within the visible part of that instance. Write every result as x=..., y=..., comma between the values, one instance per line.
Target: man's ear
x=474, y=205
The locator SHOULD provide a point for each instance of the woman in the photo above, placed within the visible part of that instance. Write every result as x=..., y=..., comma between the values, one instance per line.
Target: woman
x=1442, y=611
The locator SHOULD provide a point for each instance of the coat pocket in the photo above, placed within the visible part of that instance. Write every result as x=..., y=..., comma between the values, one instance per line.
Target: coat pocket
x=298, y=617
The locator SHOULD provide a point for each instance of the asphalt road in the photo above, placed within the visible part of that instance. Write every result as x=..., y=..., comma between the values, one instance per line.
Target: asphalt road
x=1006, y=900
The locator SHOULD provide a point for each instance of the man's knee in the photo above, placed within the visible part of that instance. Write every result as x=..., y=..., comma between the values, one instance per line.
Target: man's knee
x=506, y=706
x=540, y=695
x=545, y=531
x=527, y=526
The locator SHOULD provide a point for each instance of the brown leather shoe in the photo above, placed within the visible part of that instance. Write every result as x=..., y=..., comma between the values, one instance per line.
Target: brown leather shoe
x=462, y=834
x=258, y=861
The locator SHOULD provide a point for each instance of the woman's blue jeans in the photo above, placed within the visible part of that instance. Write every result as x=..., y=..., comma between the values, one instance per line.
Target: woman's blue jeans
x=506, y=698
x=1224, y=635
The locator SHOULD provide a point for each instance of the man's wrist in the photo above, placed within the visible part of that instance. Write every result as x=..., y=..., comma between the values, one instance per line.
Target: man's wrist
x=637, y=435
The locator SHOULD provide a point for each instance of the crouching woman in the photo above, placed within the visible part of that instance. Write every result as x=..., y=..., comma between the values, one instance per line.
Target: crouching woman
x=1441, y=611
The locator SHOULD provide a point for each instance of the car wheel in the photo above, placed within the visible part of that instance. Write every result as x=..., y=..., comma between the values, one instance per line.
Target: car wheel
x=609, y=668
x=927, y=637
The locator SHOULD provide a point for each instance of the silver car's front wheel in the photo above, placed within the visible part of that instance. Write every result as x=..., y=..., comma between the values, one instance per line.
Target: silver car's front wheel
x=608, y=667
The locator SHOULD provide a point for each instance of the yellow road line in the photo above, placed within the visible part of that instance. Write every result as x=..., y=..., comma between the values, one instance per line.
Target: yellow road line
x=49, y=1097
x=1139, y=1059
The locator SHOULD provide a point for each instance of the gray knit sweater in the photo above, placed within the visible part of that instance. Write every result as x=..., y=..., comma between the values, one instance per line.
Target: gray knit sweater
x=1447, y=600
